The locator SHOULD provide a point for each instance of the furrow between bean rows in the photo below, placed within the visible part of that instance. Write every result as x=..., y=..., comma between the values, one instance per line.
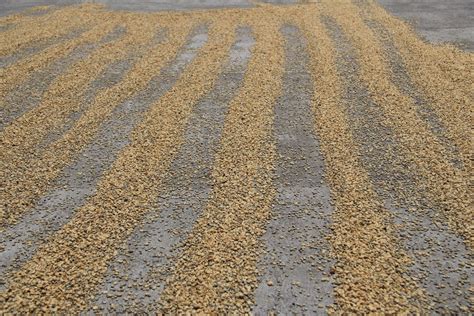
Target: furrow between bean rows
x=10, y=20
x=20, y=140
x=32, y=50
x=40, y=10
x=7, y=26
x=445, y=185
x=64, y=274
x=109, y=79
x=402, y=80
x=26, y=15
x=442, y=262
x=19, y=72
x=41, y=28
x=216, y=271
x=445, y=76
x=136, y=277
x=77, y=182
x=423, y=240
x=369, y=272
x=42, y=171
x=296, y=268
x=28, y=94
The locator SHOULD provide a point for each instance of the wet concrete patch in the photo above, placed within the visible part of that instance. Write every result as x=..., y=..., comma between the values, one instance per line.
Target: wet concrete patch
x=296, y=268
x=137, y=276
x=29, y=94
x=441, y=262
x=79, y=179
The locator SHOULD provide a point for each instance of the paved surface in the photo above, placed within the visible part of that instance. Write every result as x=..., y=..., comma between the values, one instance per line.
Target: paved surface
x=296, y=268
x=438, y=21
x=136, y=277
x=279, y=158
x=9, y=7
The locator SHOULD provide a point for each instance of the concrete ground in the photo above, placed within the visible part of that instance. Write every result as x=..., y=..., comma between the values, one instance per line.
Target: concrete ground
x=150, y=263
x=438, y=21
x=9, y=7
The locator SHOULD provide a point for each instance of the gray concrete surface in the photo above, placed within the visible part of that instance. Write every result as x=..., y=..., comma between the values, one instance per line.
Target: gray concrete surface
x=295, y=268
x=136, y=277
x=6, y=61
x=78, y=180
x=296, y=271
x=402, y=80
x=438, y=21
x=10, y=7
x=29, y=93
x=173, y=4
x=439, y=257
